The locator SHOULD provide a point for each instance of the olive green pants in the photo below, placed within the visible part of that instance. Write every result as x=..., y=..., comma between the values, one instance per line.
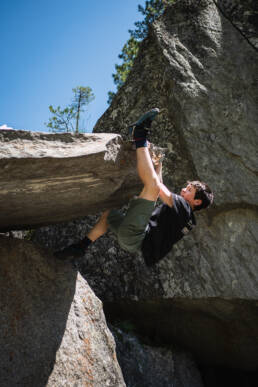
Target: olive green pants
x=130, y=228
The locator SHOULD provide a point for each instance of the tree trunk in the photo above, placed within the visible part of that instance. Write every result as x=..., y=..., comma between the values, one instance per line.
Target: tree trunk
x=78, y=115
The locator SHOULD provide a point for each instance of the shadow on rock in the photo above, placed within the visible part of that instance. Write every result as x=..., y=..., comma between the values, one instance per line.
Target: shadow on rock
x=36, y=294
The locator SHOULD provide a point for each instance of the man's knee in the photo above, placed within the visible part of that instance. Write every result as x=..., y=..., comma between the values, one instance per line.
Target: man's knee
x=151, y=190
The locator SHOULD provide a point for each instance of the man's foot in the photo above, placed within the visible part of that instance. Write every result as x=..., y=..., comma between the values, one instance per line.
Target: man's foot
x=70, y=253
x=141, y=126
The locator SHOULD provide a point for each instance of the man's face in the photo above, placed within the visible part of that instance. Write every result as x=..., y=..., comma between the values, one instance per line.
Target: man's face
x=188, y=193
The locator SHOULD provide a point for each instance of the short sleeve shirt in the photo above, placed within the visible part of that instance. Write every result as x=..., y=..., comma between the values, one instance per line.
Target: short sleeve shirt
x=167, y=225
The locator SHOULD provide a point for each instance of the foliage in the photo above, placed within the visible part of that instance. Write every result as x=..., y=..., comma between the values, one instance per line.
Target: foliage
x=82, y=97
x=62, y=120
x=111, y=95
x=151, y=10
x=129, y=52
x=67, y=119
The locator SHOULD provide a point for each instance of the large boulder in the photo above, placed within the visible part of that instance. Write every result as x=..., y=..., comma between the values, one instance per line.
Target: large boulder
x=200, y=69
x=53, y=329
x=48, y=178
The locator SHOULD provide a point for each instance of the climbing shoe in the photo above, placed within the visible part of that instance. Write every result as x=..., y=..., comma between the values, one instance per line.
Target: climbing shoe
x=140, y=128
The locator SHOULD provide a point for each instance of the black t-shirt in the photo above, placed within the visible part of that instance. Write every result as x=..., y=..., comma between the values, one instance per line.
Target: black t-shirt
x=167, y=225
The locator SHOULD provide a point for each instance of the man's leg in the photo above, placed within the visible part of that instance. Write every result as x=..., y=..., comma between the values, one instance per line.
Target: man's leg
x=147, y=175
x=100, y=227
x=77, y=250
x=146, y=171
x=132, y=230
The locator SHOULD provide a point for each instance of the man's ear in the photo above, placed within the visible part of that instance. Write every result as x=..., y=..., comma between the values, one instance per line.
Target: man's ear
x=197, y=202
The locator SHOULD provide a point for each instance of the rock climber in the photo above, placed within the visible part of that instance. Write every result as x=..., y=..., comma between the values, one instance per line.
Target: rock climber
x=146, y=227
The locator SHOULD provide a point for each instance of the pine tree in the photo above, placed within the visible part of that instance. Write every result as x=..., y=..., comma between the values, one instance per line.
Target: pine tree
x=151, y=10
x=82, y=97
x=67, y=120
x=62, y=120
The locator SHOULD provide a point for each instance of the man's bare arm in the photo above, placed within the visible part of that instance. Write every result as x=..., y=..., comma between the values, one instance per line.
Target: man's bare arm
x=165, y=195
x=158, y=169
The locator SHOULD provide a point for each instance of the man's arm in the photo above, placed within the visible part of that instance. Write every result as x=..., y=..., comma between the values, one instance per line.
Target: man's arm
x=165, y=195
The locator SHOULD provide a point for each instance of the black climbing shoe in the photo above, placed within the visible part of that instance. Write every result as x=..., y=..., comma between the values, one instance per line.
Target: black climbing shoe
x=70, y=253
x=141, y=126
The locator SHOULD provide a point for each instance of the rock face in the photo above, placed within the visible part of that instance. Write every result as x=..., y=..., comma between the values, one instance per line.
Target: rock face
x=243, y=16
x=53, y=330
x=50, y=178
x=145, y=366
x=198, y=67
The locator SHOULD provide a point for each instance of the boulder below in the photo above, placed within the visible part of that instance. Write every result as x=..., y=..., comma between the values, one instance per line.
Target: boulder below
x=53, y=329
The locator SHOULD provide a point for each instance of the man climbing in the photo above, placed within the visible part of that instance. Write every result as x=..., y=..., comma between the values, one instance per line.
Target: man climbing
x=145, y=227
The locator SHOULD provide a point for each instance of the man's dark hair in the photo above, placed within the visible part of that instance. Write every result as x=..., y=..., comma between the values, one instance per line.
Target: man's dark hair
x=204, y=193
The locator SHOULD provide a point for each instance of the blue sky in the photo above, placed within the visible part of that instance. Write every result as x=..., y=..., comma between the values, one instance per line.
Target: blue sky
x=49, y=47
